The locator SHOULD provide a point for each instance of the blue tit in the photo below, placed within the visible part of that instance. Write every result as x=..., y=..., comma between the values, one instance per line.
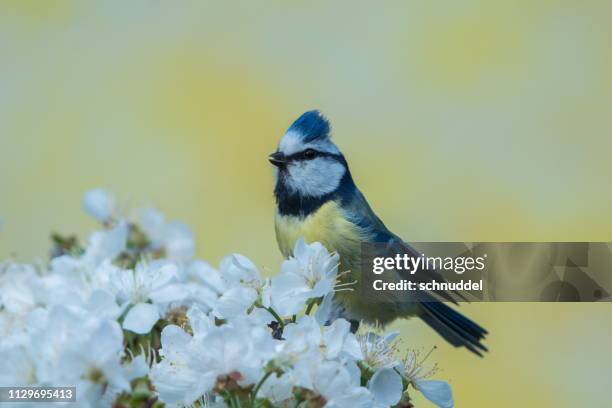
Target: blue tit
x=317, y=200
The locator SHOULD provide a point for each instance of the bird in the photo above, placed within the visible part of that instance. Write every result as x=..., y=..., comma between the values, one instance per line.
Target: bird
x=317, y=200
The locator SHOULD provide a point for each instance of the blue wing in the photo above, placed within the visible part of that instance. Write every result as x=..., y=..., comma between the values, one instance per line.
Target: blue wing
x=360, y=212
x=454, y=327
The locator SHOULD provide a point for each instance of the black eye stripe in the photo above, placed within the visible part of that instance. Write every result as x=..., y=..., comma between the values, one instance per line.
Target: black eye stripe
x=303, y=155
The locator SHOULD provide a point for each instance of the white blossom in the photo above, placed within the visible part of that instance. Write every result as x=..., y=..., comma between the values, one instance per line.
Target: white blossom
x=331, y=341
x=379, y=351
x=175, y=237
x=336, y=381
x=146, y=291
x=191, y=365
x=438, y=392
x=310, y=273
x=91, y=318
x=106, y=244
x=100, y=204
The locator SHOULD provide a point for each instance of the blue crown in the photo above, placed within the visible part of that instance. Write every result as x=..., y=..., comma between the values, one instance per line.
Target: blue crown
x=310, y=126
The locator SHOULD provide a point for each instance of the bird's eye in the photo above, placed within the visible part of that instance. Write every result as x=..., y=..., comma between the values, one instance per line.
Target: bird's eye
x=310, y=154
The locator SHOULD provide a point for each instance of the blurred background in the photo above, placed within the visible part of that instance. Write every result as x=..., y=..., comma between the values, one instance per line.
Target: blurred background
x=462, y=121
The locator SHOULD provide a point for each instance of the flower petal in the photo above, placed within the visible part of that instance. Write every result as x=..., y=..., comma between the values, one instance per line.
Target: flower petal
x=107, y=244
x=235, y=302
x=103, y=304
x=287, y=292
x=141, y=318
x=334, y=336
x=173, y=337
x=438, y=392
x=300, y=250
x=169, y=293
x=152, y=223
x=180, y=244
x=352, y=348
x=164, y=273
x=99, y=204
x=324, y=311
x=136, y=368
x=386, y=385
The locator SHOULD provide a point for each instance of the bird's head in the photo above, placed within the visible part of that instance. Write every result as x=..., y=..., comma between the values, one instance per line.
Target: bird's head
x=307, y=162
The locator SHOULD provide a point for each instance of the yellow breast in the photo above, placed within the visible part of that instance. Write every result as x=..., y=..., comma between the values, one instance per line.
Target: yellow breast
x=328, y=225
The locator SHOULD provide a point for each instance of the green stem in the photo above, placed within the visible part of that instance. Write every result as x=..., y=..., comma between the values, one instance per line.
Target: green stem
x=276, y=316
x=405, y=380
x=237, y=401
x=228, y=397
x=310, y=306
x=258, y=386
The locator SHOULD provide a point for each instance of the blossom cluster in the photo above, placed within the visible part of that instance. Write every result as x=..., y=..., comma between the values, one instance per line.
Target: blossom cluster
x=132, y=319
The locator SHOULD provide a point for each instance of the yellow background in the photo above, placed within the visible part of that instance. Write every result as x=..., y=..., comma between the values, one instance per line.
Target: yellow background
x=466, y=121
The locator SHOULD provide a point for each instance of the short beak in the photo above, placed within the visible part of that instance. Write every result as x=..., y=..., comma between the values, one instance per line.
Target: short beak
x=277, y=159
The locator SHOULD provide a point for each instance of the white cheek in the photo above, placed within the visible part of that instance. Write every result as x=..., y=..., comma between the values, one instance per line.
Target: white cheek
x=315, y=178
